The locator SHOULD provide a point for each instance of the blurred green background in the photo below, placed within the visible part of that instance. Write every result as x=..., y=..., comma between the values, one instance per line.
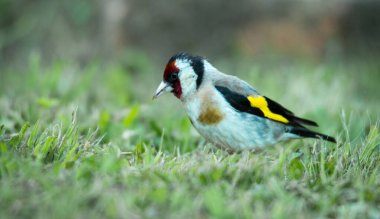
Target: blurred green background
x=106, y=29
x=79, y=130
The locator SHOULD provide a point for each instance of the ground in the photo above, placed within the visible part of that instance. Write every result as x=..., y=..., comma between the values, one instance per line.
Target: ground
x=87, y=141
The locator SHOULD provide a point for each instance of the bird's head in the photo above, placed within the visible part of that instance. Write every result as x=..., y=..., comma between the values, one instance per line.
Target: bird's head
x=182, y=76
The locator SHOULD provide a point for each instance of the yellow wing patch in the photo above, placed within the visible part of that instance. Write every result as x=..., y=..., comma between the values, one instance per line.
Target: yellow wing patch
x=261, y=103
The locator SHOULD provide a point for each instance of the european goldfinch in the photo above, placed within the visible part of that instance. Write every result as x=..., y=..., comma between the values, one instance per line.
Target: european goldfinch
x=226, y=110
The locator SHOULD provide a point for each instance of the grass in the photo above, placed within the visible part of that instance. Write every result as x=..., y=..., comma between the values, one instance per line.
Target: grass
x=87, y=142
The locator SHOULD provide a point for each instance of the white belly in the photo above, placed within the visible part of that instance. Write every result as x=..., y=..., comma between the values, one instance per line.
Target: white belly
x=237, y=130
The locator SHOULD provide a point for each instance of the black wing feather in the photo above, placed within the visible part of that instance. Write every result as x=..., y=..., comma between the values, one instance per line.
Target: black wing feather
x=241, y=103
x=278, y=109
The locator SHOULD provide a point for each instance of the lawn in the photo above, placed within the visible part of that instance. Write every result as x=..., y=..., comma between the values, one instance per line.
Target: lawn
x=87, y=141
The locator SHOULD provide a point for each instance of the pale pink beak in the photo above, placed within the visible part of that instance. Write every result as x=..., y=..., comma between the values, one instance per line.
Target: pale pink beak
x=163, y=87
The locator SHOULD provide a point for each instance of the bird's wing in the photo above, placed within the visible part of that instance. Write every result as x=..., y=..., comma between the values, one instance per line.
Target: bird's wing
x=246, y=99
x=234, y=84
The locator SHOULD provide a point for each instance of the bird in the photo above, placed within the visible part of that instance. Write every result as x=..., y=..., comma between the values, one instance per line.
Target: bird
x=226, y=110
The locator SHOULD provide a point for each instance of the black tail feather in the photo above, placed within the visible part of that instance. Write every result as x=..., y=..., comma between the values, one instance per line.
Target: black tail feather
x=304, y=132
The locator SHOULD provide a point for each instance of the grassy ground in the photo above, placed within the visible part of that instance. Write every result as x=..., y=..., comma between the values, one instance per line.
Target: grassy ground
x=88, y=142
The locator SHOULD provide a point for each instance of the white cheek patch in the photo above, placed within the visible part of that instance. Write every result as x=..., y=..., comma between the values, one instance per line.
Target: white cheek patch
x=187, y=74
x=187, y=78
x=188, y=81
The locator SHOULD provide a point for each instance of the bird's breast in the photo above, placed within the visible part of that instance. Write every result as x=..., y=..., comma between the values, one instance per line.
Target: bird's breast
x=205, y=109
x=210, y=114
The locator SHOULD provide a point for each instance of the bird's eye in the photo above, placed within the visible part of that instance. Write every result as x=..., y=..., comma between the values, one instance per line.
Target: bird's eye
x=173, y=77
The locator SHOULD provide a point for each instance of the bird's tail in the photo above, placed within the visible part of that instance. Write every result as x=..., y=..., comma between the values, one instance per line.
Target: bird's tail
x=307, y=133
